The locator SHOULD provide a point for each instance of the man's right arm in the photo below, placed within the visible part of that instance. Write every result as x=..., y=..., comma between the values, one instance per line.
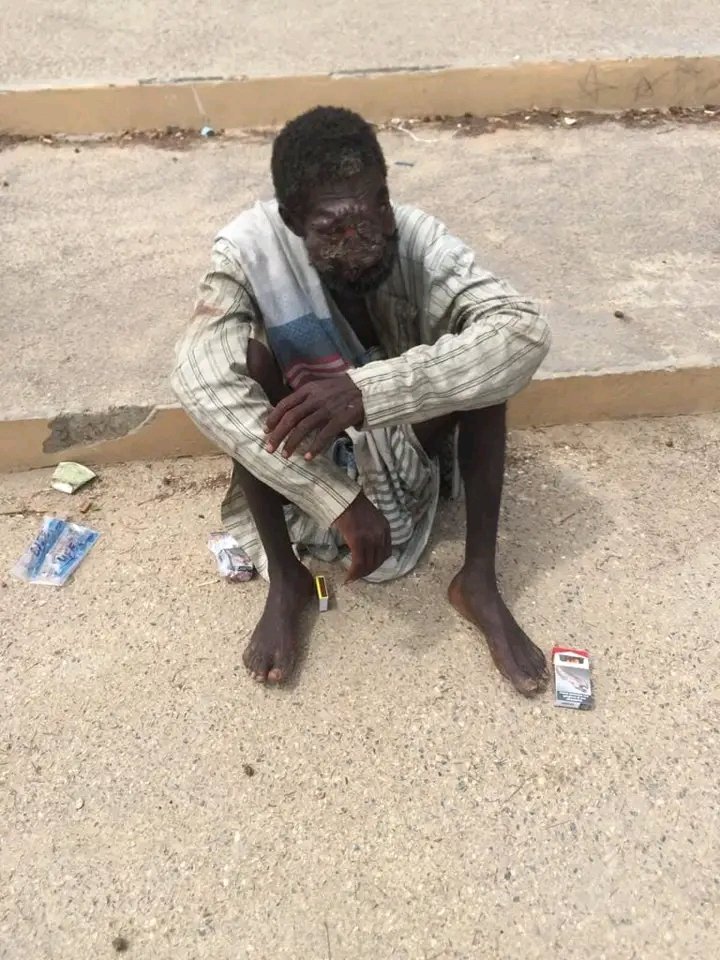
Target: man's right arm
x=212, y=383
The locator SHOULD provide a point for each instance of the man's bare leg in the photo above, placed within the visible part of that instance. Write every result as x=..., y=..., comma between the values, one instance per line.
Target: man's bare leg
x=271, y=653
x=474, y=591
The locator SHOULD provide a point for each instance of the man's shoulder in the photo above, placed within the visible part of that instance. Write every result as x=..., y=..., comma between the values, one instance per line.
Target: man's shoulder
x=409, y=217
x=425, y=245
x=418, y=231
x=250, y=224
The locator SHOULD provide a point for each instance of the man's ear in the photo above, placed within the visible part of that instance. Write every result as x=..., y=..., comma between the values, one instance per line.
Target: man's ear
x=291, y=220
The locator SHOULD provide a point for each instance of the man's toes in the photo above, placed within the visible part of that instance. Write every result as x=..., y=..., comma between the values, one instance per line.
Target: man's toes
x=527, y=684
x=257, y=663
x=537, y=656
x=259, y=672
x=534, y=663
x=524, y=675
x=282, y=668
x=540, y=664
x=542, y=673
x=533, y=675
x=513, y=672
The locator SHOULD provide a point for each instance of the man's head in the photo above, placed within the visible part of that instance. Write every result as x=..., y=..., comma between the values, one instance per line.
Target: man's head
x=330, y=181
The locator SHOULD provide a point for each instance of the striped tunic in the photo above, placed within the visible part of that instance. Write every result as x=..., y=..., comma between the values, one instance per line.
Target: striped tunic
x=455, y=338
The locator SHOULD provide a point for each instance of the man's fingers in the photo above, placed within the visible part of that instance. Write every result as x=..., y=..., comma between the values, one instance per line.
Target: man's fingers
x=384, y=551
x=278, y=412
x=288, y=421
x=361, y=561
x=324, y=437
x=355, y=570
x=299, y=432
x=368, y=559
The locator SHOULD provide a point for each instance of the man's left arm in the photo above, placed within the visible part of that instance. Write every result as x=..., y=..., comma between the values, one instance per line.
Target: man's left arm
x=489, y=344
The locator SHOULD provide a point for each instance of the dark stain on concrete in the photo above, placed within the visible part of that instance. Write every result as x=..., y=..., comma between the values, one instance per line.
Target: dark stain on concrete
x=84, y=429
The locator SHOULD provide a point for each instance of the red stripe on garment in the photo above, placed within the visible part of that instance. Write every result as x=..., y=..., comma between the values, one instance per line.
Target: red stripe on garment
x=305, y=370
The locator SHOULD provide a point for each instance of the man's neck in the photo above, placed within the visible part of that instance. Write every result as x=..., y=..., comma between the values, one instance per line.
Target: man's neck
x=355, y=310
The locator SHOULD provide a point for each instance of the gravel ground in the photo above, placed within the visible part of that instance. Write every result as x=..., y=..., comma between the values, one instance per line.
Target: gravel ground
x=398, y=800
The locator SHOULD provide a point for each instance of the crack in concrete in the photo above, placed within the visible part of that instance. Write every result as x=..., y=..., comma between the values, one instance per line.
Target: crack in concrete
x=371, y=71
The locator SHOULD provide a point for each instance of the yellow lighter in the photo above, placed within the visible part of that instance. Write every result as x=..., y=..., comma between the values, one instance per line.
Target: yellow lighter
x=322, y=593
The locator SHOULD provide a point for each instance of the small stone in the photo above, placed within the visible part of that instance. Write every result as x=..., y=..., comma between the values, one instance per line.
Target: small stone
x=670, y=443
x=248, y=770
x=120, y=944
x=619, y=314
x=79, y=803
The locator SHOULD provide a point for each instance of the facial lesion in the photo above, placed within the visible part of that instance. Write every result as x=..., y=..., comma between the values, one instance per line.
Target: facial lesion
x=350, y=232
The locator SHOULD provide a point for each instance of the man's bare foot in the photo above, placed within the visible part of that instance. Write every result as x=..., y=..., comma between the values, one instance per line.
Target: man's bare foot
x=272, y=651
x=515, y=655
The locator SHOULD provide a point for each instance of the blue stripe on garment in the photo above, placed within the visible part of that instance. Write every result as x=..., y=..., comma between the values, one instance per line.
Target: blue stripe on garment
x=308, y=338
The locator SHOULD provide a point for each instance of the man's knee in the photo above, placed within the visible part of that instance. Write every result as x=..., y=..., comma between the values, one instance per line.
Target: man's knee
x=263, y=369
x=486, y=416
x=432, y=433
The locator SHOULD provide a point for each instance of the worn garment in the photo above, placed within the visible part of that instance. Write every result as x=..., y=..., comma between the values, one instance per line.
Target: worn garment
x=455, y=338
x=309, y=343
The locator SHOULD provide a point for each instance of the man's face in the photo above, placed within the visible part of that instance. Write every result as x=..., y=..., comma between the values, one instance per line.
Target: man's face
x=349, y=232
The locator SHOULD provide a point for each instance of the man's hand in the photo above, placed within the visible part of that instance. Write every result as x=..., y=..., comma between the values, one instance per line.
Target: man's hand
x=367, y=534
x=328, y=406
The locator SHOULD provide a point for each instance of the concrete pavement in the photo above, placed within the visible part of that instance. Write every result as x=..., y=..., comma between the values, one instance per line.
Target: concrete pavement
x=405, y=803
x=67, y=42
x=103, y=248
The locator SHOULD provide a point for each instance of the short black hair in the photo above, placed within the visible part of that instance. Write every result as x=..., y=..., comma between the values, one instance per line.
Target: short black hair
x=322, y=145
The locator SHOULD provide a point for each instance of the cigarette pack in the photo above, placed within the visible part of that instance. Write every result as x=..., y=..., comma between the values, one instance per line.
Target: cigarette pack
x=572, y=678
x=322, y=593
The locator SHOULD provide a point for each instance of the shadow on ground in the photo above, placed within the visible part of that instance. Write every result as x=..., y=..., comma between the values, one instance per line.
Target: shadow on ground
x=548, y=517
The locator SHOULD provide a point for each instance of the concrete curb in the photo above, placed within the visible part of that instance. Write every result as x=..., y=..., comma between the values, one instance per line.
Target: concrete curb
x=610, y=85
x=157, y=433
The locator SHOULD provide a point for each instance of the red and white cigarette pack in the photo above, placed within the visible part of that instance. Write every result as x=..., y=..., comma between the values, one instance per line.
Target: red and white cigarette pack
x=572, y=678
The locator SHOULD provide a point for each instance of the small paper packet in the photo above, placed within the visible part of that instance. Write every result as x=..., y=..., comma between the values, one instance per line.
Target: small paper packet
x=55, y=553
x=69, y=477
x=232, y=561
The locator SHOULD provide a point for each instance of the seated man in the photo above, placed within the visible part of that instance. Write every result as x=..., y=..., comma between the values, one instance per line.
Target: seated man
x=344, y=352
